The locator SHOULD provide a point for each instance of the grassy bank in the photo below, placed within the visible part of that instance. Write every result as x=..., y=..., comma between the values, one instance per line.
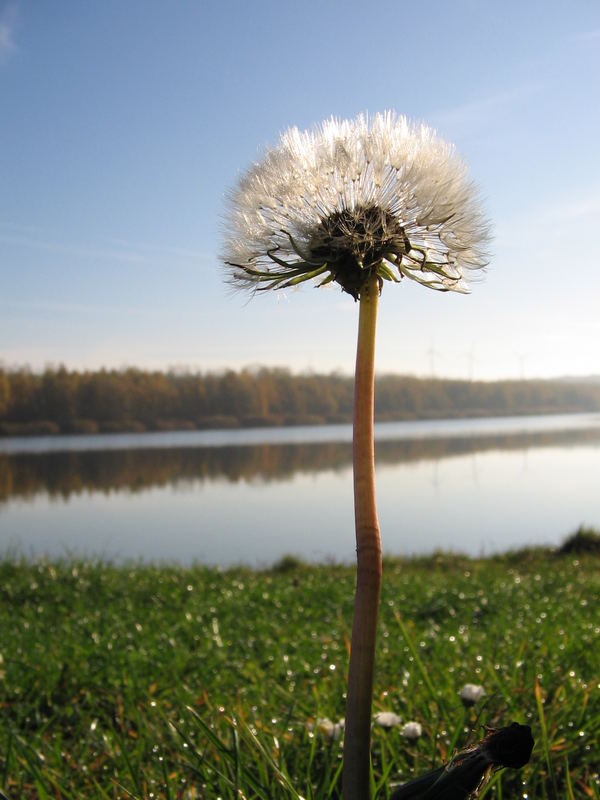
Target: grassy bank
x=160, y=682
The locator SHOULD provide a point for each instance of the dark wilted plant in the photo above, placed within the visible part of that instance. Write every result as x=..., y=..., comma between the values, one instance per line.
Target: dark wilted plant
x=468, y=770
x=358, y=203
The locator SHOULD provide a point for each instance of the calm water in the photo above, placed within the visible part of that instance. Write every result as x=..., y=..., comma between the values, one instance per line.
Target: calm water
x=230, y=497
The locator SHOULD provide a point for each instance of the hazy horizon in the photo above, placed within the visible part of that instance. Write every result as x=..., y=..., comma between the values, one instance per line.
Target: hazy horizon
x=254, y=368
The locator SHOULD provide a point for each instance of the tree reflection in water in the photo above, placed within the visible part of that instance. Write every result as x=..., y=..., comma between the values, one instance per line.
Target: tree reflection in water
x=62, y=474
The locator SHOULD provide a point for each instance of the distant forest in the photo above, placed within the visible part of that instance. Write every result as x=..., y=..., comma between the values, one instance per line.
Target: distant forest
x=66, y=401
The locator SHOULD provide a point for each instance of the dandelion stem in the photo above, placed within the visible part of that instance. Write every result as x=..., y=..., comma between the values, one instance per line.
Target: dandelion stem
x=357, y=737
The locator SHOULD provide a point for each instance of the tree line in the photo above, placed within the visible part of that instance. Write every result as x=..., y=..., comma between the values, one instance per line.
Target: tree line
x=59, y=400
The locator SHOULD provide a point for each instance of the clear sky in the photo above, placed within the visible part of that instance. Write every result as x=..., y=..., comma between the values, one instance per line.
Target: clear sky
x=122, y=125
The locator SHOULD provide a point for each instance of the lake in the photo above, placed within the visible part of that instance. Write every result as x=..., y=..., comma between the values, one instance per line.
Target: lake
x=251, y=496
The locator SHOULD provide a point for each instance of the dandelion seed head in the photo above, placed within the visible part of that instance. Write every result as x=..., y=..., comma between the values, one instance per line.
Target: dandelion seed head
x=412, y=730
x=327, y=728
x=471, y=693
x=387, y=719
x=352, y=199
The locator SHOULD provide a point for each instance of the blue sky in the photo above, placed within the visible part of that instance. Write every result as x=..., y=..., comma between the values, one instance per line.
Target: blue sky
x=122, y=125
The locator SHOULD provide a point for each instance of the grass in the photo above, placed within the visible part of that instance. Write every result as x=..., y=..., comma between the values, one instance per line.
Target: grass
x=161, y=682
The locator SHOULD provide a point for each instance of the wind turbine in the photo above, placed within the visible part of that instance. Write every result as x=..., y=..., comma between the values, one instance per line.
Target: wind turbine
x=432, y=353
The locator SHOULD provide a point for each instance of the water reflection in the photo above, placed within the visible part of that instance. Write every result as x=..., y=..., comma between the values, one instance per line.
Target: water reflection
x=475, y=487
x=63, y=474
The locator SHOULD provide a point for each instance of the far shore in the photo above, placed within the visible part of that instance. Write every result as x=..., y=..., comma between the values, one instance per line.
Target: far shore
x=221, y=423
x=61, y=401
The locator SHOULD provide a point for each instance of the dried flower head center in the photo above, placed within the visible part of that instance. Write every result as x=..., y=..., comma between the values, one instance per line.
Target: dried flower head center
x=354, y=242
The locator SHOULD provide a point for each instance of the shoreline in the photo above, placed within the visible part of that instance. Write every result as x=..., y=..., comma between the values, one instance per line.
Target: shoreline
x=409, y=429
x=584, y=542
x=84, y=427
